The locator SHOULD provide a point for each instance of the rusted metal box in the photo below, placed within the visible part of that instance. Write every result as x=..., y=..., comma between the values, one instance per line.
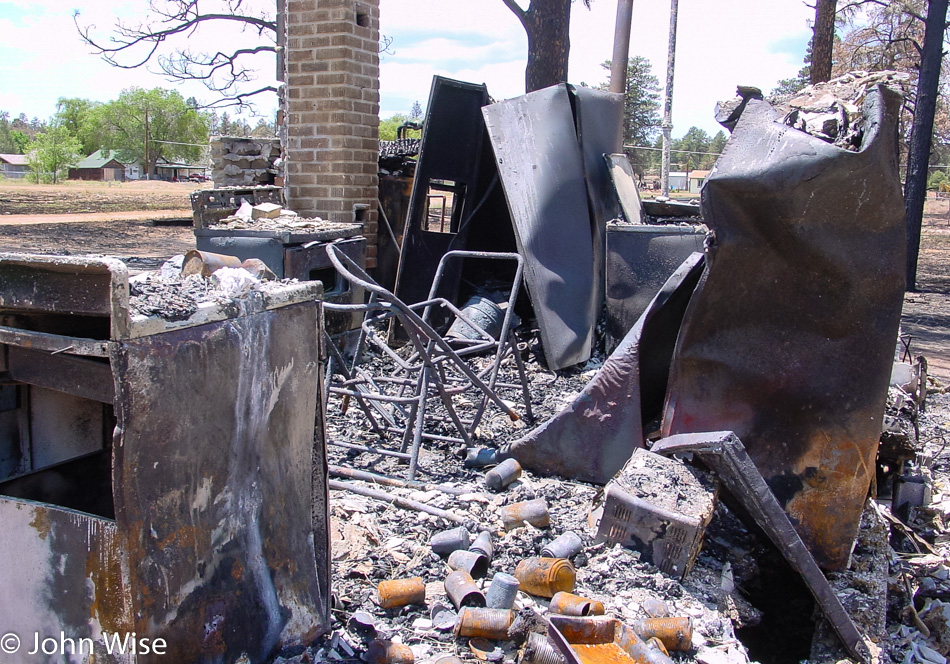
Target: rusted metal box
x=659, y=507
x=161, y=478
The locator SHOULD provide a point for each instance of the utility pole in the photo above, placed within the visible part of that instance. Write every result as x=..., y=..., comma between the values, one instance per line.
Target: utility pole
x=148, y=171
x=618, y=64
x=668, y=102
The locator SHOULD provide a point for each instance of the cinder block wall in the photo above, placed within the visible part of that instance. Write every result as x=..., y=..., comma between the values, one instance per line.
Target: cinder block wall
x=332, y=111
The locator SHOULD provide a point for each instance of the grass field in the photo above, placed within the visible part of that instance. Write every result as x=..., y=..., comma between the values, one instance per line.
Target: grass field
x=74, y=196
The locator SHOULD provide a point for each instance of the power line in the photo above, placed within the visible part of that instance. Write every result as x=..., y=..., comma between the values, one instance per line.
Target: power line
x=715, y=154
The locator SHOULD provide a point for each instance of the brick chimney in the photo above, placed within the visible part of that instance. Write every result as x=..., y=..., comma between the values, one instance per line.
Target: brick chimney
x=331, y=111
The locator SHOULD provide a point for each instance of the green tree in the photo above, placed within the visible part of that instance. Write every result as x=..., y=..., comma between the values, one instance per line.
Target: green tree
x=79, y=116
x=415, y=113
x=937, y=178
x=264, y=129
x=147, y=125
x=21, y=141
x=52, y=152
x=389, y=128
x=641, y=110
x=716, y=146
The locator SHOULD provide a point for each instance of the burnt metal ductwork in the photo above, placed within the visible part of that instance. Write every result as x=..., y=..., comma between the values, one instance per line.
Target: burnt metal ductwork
x=790, y=337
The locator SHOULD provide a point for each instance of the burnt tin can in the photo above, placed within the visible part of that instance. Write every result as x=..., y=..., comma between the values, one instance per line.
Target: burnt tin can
x=448, y=541
x=503, y=475
x=483, y=545
x=461, y=589
x=534, y=512
x=675, y=633
x=569, y=604
x=381, y=651
x=484, y=623
x=567, y=545
x=545, y=577
x=472, y=562
x=502, y=591
x=400, y=592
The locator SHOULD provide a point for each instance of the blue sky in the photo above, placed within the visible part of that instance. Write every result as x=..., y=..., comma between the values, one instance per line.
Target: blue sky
x=719, y=45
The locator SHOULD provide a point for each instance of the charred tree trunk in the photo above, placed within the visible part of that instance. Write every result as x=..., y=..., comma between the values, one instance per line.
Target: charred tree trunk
x=547, y=24
x=921, y=133
x=823, y=38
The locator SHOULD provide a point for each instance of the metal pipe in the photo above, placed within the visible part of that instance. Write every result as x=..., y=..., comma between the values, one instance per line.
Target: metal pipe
x=668, y=101
x=398, y=501
x=354, y=474
x=618, y=63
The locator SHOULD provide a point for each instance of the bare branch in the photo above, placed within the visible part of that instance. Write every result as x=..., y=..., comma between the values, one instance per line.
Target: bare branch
x=518, y=11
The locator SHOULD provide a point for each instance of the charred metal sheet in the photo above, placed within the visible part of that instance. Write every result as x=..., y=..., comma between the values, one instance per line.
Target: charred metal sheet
x=455, y=167
x=640, y=258
x=656, y=208
x=44, y=288
x=724, y=454
x=592, y=438
x=542, y=173
x=220, y=492
x=78, y=376
x=790, y=338
x=61, y=571
x=599, y=121
x=625, y=187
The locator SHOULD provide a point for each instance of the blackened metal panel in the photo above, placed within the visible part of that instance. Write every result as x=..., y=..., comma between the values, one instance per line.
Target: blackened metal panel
x=592, y=438
x=451, y=150
x=61, y=571
x=790, y=339
x=599, y=120
x=542, y=173
x=74, y=375
x=214, y=485
x=640, y=258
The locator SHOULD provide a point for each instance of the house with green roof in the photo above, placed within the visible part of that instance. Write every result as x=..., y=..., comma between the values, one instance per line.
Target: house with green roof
x=104, y=165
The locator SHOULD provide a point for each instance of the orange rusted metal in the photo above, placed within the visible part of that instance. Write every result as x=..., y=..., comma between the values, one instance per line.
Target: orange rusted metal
x=484, y=623
x=534, y=512
x=569, y=604
x=400, y=592
x=675, y=633
x=461, y=589
x=545, y=577
x=382, y=651
x=601, y=640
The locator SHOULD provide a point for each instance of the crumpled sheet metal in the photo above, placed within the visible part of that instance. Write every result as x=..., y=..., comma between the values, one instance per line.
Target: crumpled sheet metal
x=789, y=339
x=220, y=489
x=594, y=436
x=542, y=173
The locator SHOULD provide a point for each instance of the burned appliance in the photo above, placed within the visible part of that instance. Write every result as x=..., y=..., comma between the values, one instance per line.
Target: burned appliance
x=159, y=477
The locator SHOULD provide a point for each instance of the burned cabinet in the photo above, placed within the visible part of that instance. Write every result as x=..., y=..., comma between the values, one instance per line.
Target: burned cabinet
x=159, y=478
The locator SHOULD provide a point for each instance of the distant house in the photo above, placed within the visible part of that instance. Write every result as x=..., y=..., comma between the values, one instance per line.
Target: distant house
x=104, y=165
x=677, y=180
x=13, y=166
x=169, y=170
x=696, y=180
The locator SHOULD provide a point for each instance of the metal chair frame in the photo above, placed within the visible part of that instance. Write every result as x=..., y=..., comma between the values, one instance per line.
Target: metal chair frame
x=396, y=403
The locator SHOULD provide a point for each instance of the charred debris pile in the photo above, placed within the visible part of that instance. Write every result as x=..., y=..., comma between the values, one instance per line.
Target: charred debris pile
x=707, y=443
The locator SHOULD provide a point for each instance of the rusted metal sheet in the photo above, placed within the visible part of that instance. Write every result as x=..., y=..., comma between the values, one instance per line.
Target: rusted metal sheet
x=790, y=337
x=640, y=258
x=220, y=490
x=61, y=572
x=542, y=173
x=724, y=454
x=592, y=438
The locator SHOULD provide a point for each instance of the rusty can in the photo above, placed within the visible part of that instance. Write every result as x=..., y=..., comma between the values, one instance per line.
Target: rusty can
x=539, y=650
x=471, y=561
x=567, y=545
x=205, y=262
x=381, y=651
x=461, y=589
x=448, y=541
x=569, y=604
x=534, y=512
x=486, y=623
x=502, y=475
x=545, y=577
x=483, y=545
x=400, y=592
x=502, y=591
x=675, y=633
